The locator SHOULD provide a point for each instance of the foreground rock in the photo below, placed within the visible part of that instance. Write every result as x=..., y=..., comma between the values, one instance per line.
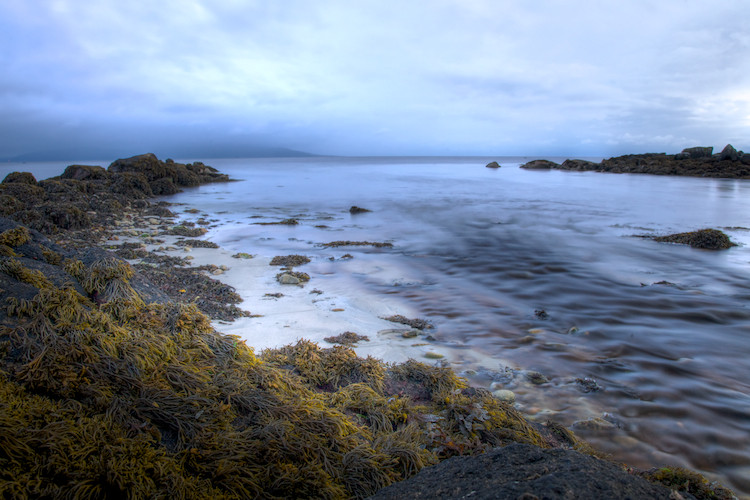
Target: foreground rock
x=521, y=471
x=694, y=162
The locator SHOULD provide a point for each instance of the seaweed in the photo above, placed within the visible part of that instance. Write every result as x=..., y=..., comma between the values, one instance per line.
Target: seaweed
x=420, y=324
x=289, y=260
x=684, y=480
x=15, y=237
x=346, y=338
x=347, y=243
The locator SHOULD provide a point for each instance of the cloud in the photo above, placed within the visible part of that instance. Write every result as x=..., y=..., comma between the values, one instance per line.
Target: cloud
x=378, y=77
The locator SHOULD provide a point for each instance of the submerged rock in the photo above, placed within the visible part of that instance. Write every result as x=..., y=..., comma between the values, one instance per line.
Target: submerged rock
x=358, y=210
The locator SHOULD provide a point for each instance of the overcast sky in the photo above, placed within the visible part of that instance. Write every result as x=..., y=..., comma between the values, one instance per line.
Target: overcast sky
x=363, y=77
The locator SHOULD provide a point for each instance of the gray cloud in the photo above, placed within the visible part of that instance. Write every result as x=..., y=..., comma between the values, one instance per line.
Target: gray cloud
x=376, y=77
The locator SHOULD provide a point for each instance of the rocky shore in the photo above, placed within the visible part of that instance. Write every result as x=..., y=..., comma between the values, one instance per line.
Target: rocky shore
x=114, y=383
x=693, y=162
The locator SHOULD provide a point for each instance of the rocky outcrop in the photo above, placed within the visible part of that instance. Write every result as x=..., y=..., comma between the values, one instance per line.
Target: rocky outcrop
x=493, y=164
x=693, y=162
x=86, y=195
x=540, y=165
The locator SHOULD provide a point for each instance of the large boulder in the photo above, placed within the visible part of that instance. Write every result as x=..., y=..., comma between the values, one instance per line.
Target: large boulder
x=493, y=164
x=147, y=165
x=84, y=172
x=20, y=177
x=695, y=153
x=729, y=153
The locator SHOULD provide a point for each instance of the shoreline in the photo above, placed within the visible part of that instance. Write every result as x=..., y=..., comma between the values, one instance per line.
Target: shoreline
x=253, y=278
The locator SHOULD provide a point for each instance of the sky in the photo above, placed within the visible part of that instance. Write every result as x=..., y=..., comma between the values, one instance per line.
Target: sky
x=374, y=77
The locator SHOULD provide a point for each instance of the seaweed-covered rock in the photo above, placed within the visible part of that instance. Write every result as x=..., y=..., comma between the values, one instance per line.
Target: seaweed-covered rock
x=10, y=204
x=147, y=165
x=132, y=185
x=21, y=177
x=24, y=192
x=164, y=186
x=709, y=239
x=540, y=165
x=83, y=172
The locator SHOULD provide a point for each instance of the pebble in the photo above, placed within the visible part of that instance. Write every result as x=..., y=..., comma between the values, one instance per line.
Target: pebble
x=433, y=355
x=504, y=395
x=217, y=272
x=288, y=279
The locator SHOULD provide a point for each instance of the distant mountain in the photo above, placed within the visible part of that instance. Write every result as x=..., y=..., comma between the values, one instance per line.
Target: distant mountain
x=183, y=152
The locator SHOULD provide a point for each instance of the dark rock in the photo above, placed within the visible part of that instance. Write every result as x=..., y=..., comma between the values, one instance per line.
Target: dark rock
x=358, y=210
x=164, y=186
x=132, y=185
x=10, y=204
x=493, y=164
x=540, y=165
x=522, y=471
x=695, y=153
x=581, y=165
x=83, y=172
x=24, y=192
x=147, y=165
x=21, y=177
x=729, y=153
x=709, y=239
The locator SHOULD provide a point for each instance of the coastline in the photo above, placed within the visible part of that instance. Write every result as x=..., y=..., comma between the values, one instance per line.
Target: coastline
x=280, y=317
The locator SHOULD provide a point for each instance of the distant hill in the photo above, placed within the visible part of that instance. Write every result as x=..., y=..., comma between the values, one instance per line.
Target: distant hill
x=183, y=152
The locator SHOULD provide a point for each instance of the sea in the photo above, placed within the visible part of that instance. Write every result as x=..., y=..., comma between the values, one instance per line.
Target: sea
x=645, y=346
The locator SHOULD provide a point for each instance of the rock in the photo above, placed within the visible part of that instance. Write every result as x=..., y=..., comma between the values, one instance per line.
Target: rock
x=493, y=164
x=410, y=334
x=358, y=210
x=729, y=153
x=708, y=239
x=84, y=172
x=695, y=153
x=288, y=279
x=593, y=424
x=20, y=177
x=433, y=355
x=536, y=378
x=504, y=395
x=580, y=165
x=523, y=471
x=540, y=165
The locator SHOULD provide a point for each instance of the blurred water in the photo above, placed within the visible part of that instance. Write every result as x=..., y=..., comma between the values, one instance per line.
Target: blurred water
x=664, y=330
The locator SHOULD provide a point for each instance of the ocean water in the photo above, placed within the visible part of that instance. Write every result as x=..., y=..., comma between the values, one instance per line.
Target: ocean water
x=537, y=270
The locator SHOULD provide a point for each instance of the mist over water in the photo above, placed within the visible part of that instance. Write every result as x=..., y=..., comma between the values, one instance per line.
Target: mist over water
x=663, y=330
